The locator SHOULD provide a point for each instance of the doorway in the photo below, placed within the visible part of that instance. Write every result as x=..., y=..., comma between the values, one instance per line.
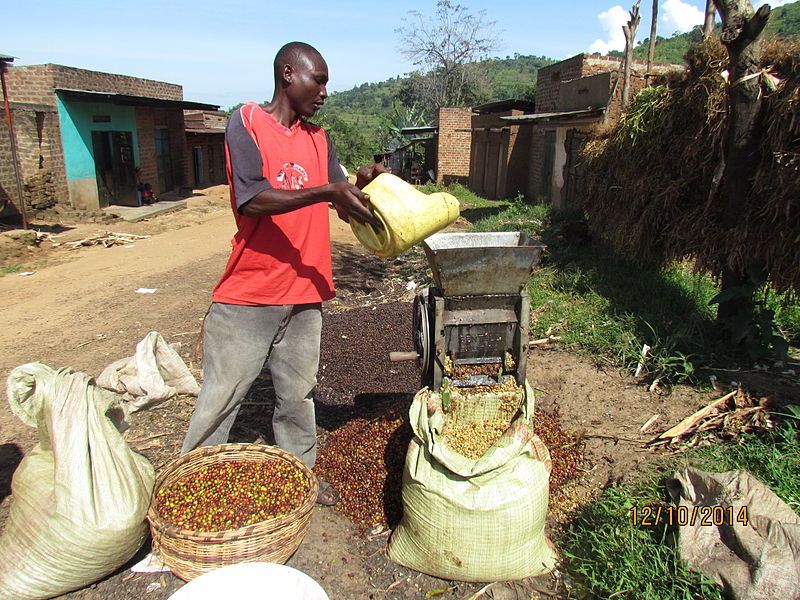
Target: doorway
x=199, y=171
x=548, y=161
x=114, y=168
x=164, y=160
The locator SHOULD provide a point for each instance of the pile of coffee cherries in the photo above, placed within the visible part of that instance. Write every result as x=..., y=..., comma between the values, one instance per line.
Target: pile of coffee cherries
x=229, y=495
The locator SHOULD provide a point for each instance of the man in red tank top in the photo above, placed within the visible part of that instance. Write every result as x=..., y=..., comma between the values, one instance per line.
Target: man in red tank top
x=266, y=308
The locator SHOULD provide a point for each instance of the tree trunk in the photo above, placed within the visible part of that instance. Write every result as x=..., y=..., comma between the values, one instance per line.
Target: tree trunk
x=651, y=49
x=629, y=29
x=740, y=31
x=708, y=25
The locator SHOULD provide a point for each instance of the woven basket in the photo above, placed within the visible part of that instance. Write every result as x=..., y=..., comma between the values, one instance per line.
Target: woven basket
x=191, y=553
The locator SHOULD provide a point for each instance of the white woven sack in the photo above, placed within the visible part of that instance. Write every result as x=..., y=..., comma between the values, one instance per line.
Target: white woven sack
x=80, y=497
x=155, y=373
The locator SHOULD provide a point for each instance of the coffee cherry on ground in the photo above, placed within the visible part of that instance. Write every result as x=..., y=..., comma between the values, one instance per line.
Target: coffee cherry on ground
x=364, y=459
x=566, y=449
x=229, y=495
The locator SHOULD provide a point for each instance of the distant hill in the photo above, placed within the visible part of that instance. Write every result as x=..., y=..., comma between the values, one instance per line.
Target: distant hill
x=366, y=104
x=784, y=22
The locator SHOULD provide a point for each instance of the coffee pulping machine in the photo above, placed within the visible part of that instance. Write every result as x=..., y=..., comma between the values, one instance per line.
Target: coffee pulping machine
x=475, y=321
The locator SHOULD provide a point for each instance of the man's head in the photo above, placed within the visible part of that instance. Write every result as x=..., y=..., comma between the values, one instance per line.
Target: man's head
x=301, y=75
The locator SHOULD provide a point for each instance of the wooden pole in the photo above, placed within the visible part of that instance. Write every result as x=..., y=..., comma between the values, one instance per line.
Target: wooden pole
x=13, y=138
x=708, y=24
x=629, y=29
x=651, y=49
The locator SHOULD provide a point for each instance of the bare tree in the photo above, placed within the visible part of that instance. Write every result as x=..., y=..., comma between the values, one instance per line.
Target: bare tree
x=708, y=24
x=629, y=29
x=446, y=48
x=651, y=48
x=741, y=28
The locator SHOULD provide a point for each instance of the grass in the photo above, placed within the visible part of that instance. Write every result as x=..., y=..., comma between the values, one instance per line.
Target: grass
x=10, y=269
x=608, y=556
x=606, y=307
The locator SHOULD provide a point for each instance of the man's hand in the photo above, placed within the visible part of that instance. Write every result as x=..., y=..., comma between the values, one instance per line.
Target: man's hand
x=367, y=173
x=352, y=201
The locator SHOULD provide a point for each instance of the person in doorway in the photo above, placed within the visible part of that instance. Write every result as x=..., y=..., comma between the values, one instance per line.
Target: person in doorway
x=266, y=309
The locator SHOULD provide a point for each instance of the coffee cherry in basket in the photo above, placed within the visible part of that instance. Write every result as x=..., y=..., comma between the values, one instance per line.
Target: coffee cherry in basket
x=229, y=495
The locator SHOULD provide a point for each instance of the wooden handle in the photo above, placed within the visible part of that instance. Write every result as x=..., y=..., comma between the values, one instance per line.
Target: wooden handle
x=401, y=356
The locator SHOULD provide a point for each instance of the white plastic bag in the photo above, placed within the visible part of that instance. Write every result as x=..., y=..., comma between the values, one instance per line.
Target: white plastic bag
x=154, y=374
x=80, y=497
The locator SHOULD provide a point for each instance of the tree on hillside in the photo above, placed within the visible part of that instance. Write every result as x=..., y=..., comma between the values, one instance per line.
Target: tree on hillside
x=446, y=48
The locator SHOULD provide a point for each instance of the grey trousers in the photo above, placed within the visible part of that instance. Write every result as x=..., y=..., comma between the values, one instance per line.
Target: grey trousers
x=237, y=341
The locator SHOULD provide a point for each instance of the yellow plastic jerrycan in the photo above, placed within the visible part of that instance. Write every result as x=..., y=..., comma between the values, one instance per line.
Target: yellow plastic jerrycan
x=407, y=216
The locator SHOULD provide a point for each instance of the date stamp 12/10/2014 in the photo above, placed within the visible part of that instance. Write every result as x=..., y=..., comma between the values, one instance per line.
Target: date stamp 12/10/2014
x=706, y=516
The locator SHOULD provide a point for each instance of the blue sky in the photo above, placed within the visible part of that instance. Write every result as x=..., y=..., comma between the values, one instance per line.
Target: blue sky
x=221, y=52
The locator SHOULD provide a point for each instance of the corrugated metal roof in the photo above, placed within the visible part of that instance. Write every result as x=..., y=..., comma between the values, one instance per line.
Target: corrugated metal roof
x=125, y=100
x=504, y=105
x=220, y=130
x=418, y=130
x=564, y=114
x=7, y=57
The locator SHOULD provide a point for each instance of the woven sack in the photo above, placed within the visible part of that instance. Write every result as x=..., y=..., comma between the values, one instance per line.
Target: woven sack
x=80, y=497
x=474, y=520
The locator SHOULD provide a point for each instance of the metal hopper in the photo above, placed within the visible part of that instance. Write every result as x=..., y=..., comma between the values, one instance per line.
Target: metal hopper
x=474, y=264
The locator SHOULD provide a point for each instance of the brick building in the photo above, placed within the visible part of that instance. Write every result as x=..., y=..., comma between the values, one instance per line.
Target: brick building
x=572, y=97
x=205, y=143
x=514, y=147
x=83, y=135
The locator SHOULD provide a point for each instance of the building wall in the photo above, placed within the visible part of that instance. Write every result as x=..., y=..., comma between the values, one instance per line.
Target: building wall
x=205, y=119
x=213, y=147
x=549, y=80
x=498, y=155
x=77, y=125
x=40, y=158
x=150, y=119
x=548, y=99
x=453, y=145
x=95, y=81
x=519, y=150
x=536, y=159
x=38, y=125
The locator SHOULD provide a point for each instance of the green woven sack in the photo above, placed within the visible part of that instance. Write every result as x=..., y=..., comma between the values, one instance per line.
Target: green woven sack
x=80, y=497
x=474, y=520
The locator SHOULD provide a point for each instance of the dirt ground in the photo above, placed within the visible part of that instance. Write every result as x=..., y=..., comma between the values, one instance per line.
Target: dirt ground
x=80, y=308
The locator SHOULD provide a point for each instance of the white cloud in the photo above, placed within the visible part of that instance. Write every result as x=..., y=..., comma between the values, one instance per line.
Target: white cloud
x=679, y=16
x=611, y=22
x=772, y=3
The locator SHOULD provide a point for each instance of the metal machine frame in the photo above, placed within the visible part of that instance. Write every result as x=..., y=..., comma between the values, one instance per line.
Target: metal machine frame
x=478, y=310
